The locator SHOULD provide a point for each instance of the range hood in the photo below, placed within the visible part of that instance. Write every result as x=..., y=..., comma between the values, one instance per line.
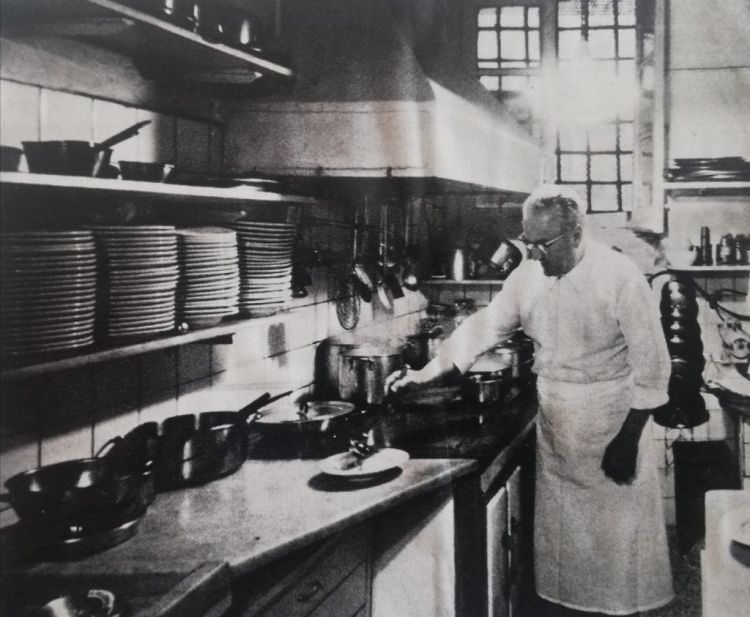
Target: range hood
x=380, y=94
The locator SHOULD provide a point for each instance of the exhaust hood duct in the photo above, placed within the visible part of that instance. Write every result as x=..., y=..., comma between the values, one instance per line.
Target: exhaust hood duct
x=379, y=94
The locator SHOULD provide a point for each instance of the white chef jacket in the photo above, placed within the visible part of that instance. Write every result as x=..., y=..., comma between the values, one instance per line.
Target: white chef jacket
x=599, y=351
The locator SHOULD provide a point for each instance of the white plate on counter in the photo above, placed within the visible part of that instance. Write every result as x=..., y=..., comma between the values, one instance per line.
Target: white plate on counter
x=384, y=460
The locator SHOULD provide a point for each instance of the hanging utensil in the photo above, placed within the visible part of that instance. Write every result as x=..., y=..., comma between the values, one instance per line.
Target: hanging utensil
x=390, y=280
x=409, y=277
x=363, y=282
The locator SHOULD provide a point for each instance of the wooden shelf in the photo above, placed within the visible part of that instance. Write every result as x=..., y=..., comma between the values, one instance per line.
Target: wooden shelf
x=707, y=188
x=467, y=282
x=18, y=368
x=153, y=43
x=183, y=194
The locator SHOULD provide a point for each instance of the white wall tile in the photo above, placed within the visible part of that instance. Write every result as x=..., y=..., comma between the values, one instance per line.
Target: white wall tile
x=156, y=142
x=193, y=362
x=20, y=452
x=194, y=397
x=19, y=120
x=158, y=406
x=111, y=118
x=67, y=440
x=65, y=116
x=193, y=141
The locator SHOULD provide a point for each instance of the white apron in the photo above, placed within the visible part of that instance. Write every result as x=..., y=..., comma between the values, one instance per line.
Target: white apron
x=598, y=546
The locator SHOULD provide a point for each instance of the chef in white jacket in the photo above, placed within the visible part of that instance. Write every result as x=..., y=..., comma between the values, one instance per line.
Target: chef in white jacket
x=603, y=366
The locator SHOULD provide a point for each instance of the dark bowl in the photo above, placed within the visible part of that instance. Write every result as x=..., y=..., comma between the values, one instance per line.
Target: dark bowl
x=145, y=172
x=10, y=158
x=68, y=157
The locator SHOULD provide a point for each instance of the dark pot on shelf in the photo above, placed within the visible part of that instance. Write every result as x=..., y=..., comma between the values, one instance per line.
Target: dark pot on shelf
x=10, y=158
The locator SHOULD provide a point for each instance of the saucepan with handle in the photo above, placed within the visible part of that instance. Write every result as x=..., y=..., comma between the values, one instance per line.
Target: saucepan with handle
x=192, y=449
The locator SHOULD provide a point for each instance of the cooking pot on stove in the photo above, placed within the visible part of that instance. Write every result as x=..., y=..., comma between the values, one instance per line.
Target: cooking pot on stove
x=363, y=371
x=486, y=386
x=422, y=347
x=327, y=363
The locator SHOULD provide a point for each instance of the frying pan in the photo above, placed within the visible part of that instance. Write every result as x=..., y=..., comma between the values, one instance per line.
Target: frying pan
x=189, y=449
x=74, y=490
x=323, y=418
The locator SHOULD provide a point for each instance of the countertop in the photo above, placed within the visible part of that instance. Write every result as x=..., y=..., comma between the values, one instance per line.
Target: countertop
x=270, y=508
x=265, y=510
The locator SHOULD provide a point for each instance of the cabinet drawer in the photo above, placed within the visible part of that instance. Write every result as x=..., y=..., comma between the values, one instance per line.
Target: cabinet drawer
x=321, y=577
x=348, y=597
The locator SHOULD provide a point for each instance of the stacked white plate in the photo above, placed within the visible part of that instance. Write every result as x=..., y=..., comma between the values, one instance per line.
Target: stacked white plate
x=210, y=285
x=265, y=265
x=139, y=279
x=48, y=291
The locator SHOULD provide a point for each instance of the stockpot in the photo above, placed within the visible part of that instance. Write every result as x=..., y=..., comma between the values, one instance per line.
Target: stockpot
x=363, y=371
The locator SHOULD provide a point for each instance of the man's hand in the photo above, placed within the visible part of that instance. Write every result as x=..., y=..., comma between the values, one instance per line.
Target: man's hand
x=620, y=458
x=405, y=379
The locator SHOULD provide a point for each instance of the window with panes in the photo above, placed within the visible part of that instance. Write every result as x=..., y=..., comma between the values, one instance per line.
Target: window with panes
x=509, y=57
x=595, y=81
x=595, y=154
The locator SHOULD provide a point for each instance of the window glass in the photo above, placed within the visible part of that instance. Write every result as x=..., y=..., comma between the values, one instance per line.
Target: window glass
x=491, y=82
x=604, y=197
x=567, y=43
x=626, y=167
x=604, y=167
x=626, y=12
x=569, y=14
x=487, y=17
x=512, y=17
x=602, y=43
x=487, y=45
x=626, y=43
x=513, y=45
x=603, y=137
x=534, y=47
x=573, y=167
x=532, y=17
x=601, y=13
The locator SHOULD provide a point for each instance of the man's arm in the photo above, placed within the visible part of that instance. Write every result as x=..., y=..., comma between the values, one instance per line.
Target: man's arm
x=650, y=363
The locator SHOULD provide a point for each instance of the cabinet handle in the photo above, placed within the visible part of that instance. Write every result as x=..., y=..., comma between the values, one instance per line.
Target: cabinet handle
x=315, y=587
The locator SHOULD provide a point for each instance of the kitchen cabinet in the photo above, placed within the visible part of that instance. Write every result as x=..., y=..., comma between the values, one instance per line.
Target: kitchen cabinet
x=507, y=546
x=332, y=580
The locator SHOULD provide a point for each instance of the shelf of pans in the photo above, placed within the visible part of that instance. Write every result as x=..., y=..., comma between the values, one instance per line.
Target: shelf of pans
x=21, y=367
x=149, y=40
x=177, y=193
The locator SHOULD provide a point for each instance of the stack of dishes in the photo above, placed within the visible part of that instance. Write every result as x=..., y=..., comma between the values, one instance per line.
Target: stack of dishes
x=210, y=275
x=265, y=265
x=139, y=279
x=48, y=290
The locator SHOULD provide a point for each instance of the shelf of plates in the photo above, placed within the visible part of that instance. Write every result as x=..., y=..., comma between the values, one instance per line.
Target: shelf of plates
x=707, y=188
x=152, y=42
x=177, y=193
x=27, y=366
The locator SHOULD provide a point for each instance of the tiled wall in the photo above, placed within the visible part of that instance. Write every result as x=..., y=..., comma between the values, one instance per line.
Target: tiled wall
x=71, y=414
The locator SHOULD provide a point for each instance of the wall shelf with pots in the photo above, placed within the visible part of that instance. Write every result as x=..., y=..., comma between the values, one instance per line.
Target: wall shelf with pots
x=155, y=45
x=183, y=194
x=22, y=367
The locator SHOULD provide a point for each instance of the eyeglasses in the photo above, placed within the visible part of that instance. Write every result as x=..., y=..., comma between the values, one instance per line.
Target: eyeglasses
x=541, y=246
